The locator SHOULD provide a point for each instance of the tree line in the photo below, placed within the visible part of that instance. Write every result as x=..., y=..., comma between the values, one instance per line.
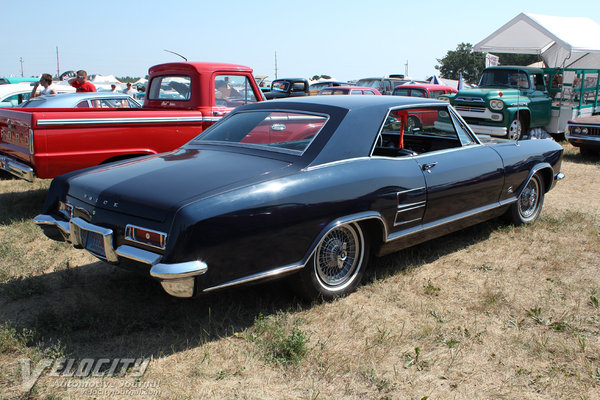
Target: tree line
x=472, y=63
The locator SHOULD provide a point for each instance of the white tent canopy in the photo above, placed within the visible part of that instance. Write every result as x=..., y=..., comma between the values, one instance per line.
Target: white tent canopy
x=566, y=42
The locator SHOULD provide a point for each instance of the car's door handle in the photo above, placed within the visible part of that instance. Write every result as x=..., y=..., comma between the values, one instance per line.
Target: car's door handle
x=427, y=167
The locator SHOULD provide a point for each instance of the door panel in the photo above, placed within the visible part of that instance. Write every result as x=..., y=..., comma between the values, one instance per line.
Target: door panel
x=459, y=180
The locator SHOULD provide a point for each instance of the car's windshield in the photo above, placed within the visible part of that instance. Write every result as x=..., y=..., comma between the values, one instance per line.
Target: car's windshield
x=373, y=83
x=282, y=131
x=504, y=78
x=333, y=91
x=411, y=92
x=281, y=86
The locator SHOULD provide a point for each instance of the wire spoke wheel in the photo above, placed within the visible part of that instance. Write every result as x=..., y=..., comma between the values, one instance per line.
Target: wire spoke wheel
x=529, y=204
x=529, y=199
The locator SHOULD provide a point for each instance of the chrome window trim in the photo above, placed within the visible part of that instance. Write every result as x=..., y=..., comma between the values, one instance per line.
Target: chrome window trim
x=199, y=140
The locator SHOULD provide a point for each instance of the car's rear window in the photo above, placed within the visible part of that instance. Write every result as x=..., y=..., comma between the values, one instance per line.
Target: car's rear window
x=173, y=88
x=288, y=132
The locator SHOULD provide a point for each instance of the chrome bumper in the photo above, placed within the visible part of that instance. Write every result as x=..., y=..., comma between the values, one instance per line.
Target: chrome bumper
x=16, y=168
x=176, y=279
x=488, y=130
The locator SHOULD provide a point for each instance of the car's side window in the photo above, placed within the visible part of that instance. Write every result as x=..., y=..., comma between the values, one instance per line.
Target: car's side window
x=416, y=130
x=233, y=90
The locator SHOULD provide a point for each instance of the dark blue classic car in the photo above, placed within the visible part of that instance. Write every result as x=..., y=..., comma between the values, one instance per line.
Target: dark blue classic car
x=304, y=186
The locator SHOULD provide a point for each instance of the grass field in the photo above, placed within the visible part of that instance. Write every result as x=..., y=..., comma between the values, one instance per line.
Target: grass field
x=491, y=312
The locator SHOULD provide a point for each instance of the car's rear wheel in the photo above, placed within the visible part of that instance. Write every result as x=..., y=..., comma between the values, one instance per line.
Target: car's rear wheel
x=337, y=265
x=529, y=204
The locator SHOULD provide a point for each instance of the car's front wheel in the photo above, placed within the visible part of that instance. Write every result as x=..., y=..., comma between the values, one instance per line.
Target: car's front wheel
x=337, y=265
x=529, y=204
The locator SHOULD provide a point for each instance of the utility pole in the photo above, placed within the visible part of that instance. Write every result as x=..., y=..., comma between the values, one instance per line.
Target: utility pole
x=21, y=60
x=57, y=64
x=275, y=65
x=406, y=69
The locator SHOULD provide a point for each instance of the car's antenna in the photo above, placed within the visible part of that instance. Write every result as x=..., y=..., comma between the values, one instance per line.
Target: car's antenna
x=169, y=51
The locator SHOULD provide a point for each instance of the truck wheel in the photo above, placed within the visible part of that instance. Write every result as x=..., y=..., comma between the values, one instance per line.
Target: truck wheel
x=516, y=128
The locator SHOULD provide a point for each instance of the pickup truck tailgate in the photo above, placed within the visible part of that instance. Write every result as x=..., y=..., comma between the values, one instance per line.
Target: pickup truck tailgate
x=16, y=142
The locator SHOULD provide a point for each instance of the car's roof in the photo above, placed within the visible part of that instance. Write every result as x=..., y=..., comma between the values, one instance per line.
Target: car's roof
x=427, y=86
x=289, y=79
x=71, y=99
x=348, y=102
x=328, y=81
x=518, y=67
x=200, y=67
x=349, y=87
x=10, y=88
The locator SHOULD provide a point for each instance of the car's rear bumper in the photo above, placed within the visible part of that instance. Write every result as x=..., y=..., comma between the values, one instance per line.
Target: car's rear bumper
x=16, y=168
x=176, y=279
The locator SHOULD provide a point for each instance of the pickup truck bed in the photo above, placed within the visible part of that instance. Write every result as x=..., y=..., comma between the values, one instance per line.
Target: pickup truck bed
x=75, y=139
x=182, y=100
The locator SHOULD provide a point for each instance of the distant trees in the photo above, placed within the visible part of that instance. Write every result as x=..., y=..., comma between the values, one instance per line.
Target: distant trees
x=471, y=63
x=462, y=60
x=317, y=77
x=125, y=79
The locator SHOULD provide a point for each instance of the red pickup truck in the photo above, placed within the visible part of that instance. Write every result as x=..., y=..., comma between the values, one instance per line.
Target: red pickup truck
x=182, y=99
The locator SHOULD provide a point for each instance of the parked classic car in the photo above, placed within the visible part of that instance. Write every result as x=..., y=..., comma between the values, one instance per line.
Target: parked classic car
x=13, y=94
x=287, y=87
x=384, y=85
x=423, y=90
x=316, y=87
x=584, y=133
x=352, y=90
x=310, y=186
x=83, y=100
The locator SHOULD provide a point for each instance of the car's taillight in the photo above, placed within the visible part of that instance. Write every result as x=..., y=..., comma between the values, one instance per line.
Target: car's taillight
x=145, y=236
x=31, y=146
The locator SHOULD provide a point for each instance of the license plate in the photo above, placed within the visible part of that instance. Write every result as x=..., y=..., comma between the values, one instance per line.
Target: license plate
x=95, y=243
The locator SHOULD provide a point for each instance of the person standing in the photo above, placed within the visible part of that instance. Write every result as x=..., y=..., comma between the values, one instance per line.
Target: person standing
x=80, y=82
x=129, y=91
x=46, y=82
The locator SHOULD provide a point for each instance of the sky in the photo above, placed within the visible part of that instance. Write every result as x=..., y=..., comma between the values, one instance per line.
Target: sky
x=347, y=40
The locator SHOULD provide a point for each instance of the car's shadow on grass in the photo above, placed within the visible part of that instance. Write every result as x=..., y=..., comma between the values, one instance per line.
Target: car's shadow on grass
x=578, y=158
x=99, y=310
x=17, y=206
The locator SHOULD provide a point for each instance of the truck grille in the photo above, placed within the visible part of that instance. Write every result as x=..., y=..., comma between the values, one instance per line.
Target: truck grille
x=593, y=131
x=476, y=109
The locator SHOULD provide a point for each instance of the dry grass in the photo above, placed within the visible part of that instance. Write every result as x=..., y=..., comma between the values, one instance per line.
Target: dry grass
x=491, y=312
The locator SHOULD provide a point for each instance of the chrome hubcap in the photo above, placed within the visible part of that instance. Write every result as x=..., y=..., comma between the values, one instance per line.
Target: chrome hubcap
x=338, y=256
x=514, y=131
x=529, y=199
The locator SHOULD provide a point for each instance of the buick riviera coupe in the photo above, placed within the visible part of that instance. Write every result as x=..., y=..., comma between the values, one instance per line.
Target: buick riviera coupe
x=308, y=188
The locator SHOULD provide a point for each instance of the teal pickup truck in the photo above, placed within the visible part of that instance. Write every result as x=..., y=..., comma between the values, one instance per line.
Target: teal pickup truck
x=514, y=101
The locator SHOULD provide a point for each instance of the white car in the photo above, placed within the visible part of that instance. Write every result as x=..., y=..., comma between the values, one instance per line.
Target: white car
x=13, y=94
